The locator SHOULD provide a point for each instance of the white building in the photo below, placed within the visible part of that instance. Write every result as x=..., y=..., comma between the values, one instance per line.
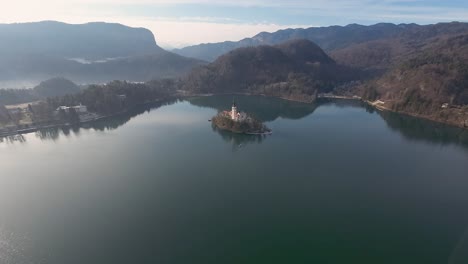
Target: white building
x=234, y=111
x=80, y=109
x=236, y=115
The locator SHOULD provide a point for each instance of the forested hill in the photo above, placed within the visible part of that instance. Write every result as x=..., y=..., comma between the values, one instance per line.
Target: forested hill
x=432, y=82
x=48, y=88
x=297, y=70
x=382, y=54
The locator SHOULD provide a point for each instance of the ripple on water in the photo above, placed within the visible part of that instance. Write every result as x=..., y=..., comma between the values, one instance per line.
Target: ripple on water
x=13, y=249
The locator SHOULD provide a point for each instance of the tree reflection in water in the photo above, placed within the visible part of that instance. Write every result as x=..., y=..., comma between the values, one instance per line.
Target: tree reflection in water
x=267, y=110
x=239, y=141
x=13, y=139
x=416, y=129
x=105, y=124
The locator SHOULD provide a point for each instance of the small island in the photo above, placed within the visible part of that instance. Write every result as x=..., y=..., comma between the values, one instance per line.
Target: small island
x=239, y=122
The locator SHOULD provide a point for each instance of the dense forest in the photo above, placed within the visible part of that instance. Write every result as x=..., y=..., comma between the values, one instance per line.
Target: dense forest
x=107, y=99
x=116, y=96
x=296, y=70
x=427, y=80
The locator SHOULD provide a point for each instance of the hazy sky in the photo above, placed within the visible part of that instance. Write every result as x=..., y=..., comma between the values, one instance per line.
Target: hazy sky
x=181, y=22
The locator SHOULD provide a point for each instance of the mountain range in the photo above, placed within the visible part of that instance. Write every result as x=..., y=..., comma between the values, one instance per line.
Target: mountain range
x=331, y=39
x=419, y=70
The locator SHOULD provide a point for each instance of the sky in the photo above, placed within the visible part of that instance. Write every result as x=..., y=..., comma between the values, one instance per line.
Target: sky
x=179, y=23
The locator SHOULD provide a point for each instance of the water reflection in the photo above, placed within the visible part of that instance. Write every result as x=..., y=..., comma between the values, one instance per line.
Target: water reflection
x=460, y=252
x=106, y=124
x=239, y=141
x=266, y=109
x=416, y=129
x=14, y=248
x=13, y=139
x=411, y=128
x=345, y=103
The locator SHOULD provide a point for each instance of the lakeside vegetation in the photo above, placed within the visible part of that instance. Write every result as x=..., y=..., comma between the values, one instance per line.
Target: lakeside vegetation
x=431, y=83
x=100, y=100
x=248, y=126
x=428, y=80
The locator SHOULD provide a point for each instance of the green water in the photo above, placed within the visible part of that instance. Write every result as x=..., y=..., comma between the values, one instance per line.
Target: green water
x=335, y=183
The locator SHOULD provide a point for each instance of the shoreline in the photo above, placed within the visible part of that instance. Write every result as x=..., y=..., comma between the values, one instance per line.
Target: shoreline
x=355, y=98
x=32, y=129
x=5, y=132
x=425, y=117
x=254, y=127
x=245, y=133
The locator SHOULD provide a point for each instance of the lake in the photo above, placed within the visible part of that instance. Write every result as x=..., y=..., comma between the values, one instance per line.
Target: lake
x=337, y=182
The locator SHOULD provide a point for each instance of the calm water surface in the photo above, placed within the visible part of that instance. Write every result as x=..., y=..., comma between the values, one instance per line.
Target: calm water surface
x=335, y=183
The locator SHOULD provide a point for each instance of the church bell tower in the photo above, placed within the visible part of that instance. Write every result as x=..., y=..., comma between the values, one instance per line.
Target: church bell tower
x=234, y=111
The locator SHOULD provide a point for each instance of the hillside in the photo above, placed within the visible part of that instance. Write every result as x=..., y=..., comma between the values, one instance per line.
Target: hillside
x=437, y=74
x=372, y=46
x=380, y=55
x=49, y=88
x=56, y=87
x=328, y=38
x=296, y=70
x=85, y=53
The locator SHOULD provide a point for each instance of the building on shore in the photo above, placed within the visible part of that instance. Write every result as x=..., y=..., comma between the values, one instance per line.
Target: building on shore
x=80, y=109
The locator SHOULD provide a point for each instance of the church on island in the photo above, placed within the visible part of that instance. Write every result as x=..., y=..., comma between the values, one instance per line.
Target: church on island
x=239, y=122
x=235, y=115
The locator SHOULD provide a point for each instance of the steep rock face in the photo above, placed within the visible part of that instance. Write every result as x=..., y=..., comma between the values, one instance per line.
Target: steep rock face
x=296, y=70
x=85, y=53
x=92, y=41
